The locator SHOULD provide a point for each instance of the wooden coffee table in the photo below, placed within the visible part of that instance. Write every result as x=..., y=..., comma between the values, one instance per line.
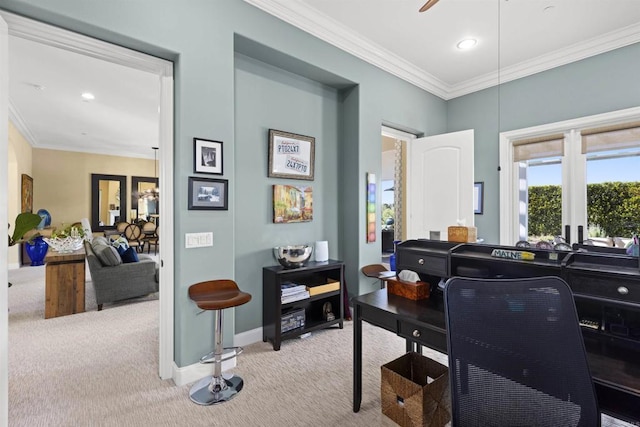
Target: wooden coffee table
x=64, y=284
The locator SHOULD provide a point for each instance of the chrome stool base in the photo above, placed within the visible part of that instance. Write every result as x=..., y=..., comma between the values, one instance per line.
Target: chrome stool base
x=202, y=391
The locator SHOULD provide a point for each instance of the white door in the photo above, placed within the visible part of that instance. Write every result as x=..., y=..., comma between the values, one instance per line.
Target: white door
x=439, y=183
x=4, y=144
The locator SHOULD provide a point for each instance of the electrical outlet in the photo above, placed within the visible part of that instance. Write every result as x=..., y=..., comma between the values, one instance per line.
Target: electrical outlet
x=198, y=240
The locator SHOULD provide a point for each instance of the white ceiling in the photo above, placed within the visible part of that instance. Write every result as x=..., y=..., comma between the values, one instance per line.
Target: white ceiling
x=45, y=103
x=515, y=38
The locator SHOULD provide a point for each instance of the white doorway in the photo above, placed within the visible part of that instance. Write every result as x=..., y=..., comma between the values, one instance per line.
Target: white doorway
x=439, y=184
x=42, y=33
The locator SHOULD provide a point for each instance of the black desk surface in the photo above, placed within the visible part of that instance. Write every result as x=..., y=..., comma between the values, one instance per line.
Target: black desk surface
x=419, y=322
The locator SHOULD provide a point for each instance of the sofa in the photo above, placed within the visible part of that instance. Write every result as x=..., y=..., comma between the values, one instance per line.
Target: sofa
x=115, y=280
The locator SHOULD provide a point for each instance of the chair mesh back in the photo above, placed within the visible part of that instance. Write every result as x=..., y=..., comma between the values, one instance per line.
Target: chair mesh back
x=516, y=354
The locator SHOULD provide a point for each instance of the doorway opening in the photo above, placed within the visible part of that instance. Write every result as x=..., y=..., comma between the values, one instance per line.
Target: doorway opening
x=52, y=36
x=393, y=188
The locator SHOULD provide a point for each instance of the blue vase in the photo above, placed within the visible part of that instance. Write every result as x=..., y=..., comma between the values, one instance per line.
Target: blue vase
x=37, y=249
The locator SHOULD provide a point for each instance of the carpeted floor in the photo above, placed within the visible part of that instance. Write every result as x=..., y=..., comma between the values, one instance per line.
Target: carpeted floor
x=100, y=369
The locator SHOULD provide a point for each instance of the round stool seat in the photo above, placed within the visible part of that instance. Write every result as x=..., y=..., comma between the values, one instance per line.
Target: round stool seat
x=218, y=294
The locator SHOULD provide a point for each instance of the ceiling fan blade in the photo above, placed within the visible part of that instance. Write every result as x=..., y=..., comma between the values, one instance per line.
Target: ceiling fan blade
x=428, y=5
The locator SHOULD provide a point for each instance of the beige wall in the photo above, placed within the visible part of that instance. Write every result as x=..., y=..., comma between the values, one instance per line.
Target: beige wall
x=62, y=181
x=20, y=156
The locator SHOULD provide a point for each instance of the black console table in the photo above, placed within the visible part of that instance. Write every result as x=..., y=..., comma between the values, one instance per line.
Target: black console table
x=606, y=290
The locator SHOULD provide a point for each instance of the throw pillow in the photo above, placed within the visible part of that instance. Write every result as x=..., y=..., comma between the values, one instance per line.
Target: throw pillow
x=108, y=255
x=99, y=240
x=121, y=250
x=120, y=242
x=130, y=255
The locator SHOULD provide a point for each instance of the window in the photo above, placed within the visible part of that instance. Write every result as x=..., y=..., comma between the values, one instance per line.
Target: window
x=577, y=179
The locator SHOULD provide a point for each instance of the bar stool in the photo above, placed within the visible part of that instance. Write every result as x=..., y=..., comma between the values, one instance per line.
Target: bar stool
x=217, y=295
x=379, y=272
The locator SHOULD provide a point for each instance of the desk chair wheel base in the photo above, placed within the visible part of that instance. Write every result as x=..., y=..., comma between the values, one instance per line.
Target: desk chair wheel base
x=211, y=390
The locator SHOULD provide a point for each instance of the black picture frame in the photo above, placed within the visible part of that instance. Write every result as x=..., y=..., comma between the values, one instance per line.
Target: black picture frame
x=208, y=194
x=207, y=156
x=478, y=198
x=291, y=155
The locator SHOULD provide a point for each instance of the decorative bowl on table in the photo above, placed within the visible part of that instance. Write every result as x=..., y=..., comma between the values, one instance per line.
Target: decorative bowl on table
x=292, y=256
x=64, y=244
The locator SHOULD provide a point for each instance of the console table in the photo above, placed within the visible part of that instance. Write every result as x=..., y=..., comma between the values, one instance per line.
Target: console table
x=64, y=283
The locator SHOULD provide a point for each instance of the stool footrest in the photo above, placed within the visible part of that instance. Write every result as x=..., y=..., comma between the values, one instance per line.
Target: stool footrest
x=211, y=357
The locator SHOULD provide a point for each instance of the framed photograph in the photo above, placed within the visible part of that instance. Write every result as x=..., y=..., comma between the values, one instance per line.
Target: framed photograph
x=291, y=155
x=478, y=197
x=27, y=194
x=292, y=203
x=208, y=156
x=208, y=194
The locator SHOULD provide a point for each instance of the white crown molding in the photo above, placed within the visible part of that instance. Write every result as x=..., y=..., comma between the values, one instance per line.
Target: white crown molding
x=16, y=118
x=576, y=52
x=57, y=37
x=319, y=25
x=332, y=32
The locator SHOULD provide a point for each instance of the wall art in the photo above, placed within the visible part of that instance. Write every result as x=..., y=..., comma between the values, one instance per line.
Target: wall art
x=27, y=194
x=208, y=156
x=291, y=155
x=292, y=203
x=208, y=194
x=478, y=198
x=371, y=207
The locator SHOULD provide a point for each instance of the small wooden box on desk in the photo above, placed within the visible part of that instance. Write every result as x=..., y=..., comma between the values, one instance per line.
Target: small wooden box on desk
x=64, y=283
x=415, y=291
x=313, y=274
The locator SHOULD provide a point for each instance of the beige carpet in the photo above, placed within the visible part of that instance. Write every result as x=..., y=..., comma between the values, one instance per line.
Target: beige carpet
x=100, y=369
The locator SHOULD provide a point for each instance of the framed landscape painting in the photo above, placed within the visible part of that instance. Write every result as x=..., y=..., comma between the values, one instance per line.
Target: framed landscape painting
x=292, y=204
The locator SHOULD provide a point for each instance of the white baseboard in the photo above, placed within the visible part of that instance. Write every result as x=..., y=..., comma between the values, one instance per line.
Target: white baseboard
x=13, y=266
x=248, y=337
x=191, y=373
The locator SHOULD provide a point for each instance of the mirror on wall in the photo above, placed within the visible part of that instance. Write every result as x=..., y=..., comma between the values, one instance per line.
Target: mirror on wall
x=144, y=198
x=108, y=201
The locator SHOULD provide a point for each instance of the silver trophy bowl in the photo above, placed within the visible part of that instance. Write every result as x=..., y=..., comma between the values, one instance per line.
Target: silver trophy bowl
x=292, y=256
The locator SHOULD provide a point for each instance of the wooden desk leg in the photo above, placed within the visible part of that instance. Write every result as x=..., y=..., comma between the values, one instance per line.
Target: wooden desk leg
x=357, y=357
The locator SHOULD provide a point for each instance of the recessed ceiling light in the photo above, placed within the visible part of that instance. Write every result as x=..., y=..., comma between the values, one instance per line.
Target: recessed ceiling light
x=88, y=96
x=466, y=44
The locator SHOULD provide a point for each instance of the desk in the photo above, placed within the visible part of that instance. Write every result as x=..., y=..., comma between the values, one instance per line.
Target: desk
x=419, y=322
x=64, y=283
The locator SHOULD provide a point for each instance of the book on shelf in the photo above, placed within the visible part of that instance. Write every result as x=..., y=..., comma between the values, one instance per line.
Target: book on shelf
x=295, y=297
x=321, y=289
x=289, y=288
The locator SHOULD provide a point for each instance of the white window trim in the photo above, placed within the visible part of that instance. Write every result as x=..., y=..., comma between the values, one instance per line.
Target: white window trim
x=508, y=187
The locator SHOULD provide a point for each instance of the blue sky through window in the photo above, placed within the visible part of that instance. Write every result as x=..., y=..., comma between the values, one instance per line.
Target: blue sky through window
x=623, y=169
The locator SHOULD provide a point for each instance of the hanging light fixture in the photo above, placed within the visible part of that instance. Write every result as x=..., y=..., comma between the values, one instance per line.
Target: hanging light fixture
x=153, y=193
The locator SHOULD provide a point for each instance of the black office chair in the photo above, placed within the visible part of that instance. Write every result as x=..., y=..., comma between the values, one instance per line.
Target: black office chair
x=516, y=354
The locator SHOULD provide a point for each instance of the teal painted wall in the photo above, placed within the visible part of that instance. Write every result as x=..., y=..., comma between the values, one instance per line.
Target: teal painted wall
x=595, y=85
x=266, y=98
x=201, y=37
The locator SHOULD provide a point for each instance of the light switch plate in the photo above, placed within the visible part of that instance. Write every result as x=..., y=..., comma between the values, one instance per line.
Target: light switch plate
x=198, y=240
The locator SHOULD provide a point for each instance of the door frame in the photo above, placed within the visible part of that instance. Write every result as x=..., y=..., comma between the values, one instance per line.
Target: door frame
x=46, y=34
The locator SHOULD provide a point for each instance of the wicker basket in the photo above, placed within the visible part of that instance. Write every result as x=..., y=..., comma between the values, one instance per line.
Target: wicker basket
x=409, y=398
